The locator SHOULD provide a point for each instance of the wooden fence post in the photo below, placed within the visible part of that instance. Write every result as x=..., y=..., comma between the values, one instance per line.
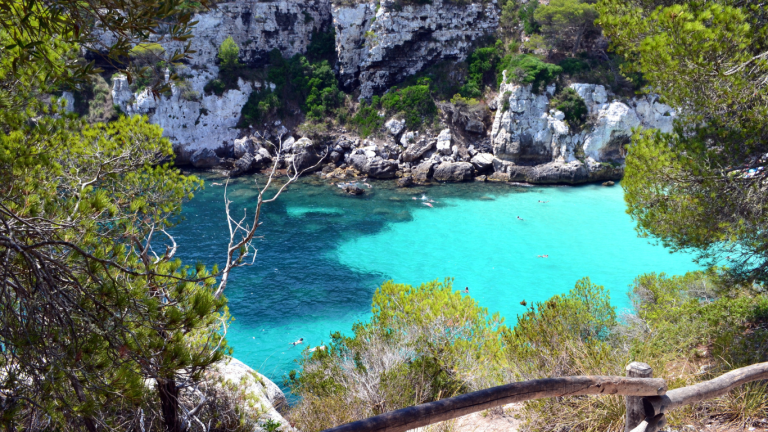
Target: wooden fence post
x=635, y=411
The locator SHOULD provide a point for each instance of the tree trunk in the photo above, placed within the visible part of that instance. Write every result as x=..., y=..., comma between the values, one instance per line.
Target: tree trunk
x=169, y=402
x=578, y=38
x=88, y=420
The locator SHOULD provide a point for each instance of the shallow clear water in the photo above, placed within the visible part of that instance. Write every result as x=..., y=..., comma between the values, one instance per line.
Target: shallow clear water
x=323, y=253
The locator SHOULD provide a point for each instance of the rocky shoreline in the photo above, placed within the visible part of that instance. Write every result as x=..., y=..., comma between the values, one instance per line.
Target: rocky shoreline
x=513, y=135
x=527, y=142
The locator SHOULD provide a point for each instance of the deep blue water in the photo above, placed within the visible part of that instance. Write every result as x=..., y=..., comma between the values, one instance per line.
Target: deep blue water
x=323, y=253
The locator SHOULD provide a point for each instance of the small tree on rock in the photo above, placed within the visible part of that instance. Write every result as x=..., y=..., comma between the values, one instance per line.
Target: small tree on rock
x=229, y=56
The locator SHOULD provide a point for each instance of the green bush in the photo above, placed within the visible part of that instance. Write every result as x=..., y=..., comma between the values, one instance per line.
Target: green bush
x=229, y=57
x=480, y=63
x=572, y=105
x=260, y=104
x=322, y=46
x=573, y=65
x=367, y=119
x=310, y=85
x=415, y=102
x=528, y=69
x=421, y=344
x=526, y=14
x=216, y=86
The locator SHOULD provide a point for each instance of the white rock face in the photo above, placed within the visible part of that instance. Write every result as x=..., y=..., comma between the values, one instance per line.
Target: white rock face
x=444, y=142
x=209, y=121
x=530, y=133
x=268, y=394
x=377, y=54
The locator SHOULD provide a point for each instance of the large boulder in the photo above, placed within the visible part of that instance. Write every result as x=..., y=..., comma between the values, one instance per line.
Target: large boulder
x=394, y=126
x=204, y=158
x=376, y=167
x=453, y=172
x=417, y=149
x=444, y=142
x=381, y=168
x=475, y=126
x=268, y=400
x=422, y=172
x=482, y=161
x=306, y=156
x=242, y=165
x=242, y=146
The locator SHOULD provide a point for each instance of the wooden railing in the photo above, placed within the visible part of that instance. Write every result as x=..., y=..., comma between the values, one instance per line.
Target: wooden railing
x=647, y=399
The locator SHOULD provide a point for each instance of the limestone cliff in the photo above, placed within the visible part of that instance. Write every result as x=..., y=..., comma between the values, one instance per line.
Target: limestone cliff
x=379, y=46
x=208, y=121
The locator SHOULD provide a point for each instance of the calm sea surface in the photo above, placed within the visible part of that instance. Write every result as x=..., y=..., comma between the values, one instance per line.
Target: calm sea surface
x=323, y=253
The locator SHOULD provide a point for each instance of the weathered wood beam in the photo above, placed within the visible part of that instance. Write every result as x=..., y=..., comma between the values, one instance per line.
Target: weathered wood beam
x=447, y=409
x=713, y=388
x=635, y=412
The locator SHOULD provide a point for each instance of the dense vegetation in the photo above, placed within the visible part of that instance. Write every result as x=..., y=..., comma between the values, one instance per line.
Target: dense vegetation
x=430, y=342
x=98, y=332
x=307, y=81
x=702, y=187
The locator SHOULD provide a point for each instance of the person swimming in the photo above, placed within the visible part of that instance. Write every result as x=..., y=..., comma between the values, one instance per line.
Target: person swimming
x=519, y=218
x=428, y=204
x=466, y=290
x=300, y=341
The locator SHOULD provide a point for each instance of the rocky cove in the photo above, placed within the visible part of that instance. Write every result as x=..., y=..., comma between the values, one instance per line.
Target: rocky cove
x=516, y=135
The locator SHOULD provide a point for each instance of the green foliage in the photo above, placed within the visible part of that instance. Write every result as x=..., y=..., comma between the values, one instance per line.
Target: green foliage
x=415, y=102
x=527, y=15
x=312, y=86
x=701, y=58
x=229, y=56
x=434, y=341
x=572, y=105
x=573, y=65
x=367, y=119
x=528, y=69
x=88, y=316
x=322, y=46
x=565, y=22
x=216, y=86
x=481, y=66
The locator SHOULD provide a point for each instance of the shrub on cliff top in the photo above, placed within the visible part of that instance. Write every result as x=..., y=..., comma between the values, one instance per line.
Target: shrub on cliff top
x=528, y=69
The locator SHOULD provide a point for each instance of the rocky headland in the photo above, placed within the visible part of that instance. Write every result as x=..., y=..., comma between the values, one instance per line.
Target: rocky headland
x=517, y=135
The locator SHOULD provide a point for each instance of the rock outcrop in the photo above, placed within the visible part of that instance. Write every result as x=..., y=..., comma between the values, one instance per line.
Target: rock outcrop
x=379, y=46
x=192, y=119
x=530, y=134
x=269, y=399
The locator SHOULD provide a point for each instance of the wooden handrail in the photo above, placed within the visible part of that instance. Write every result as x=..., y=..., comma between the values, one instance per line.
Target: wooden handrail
x=446, y=409
x=656, y=400
x=704, y=390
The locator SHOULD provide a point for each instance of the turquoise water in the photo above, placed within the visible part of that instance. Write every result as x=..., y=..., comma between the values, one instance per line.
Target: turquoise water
x=323, y=253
